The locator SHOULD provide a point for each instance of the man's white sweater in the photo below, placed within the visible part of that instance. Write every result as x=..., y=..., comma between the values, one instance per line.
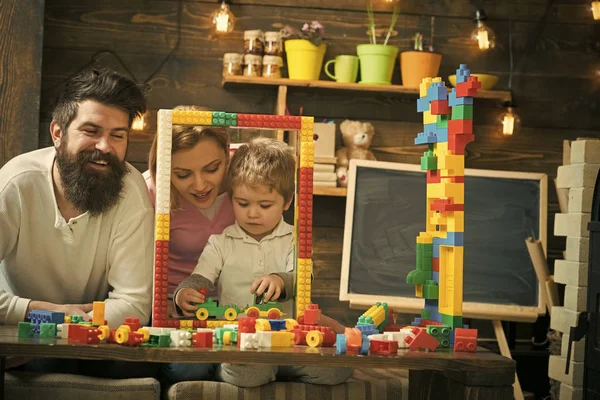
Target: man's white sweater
x=104, y=258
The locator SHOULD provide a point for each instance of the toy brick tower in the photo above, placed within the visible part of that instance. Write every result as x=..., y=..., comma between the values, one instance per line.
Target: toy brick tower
x=448, y=128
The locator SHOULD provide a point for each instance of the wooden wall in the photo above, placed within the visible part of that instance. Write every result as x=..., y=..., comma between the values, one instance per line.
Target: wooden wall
x=21, y=31
x=555, y=84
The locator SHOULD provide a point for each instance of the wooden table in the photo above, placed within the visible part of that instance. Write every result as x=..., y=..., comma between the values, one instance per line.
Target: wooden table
x=432, y=375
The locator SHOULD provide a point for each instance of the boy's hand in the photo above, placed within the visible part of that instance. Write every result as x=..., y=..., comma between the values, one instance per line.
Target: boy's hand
x=185, y=300
x=271, y=285
x=332, y=323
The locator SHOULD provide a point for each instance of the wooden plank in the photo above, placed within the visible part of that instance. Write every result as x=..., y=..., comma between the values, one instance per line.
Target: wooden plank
x=228, y=81
x=329, y=191
x=21, y=37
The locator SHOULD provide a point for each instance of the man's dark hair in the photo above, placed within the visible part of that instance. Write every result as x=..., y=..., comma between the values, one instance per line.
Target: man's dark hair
x=104, y=86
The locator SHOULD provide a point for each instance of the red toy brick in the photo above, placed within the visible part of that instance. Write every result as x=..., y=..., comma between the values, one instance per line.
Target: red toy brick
x=440, y=107
x=202, y=339
x=247, y=325
x=446, y=205
x=133, y=323
x=435, y=264
x=434, y=176
x=422, y=340
x=386, y=347
x=458, y=143
x=199, y=324
x=460, y=127
x=299, y=337
x=465, y=340
x=312, y=315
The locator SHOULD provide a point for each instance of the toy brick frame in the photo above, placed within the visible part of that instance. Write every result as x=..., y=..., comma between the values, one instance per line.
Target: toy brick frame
x=302, y=203
x=413, y=305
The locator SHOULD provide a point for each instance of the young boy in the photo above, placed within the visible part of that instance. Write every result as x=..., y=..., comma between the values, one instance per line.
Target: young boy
x=255, y=255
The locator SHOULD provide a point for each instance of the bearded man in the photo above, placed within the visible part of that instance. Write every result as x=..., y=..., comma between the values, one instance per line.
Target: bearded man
x=76, y=223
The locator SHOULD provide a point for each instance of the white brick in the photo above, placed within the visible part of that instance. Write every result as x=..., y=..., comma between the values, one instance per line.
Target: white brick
x=571, y=273
x=574, y=225
x=585, y=151
x=577, y=249
x=577, y=175
x=556, y=371
x=576, y=298
x=568, y=392
x=563, y=319
x=577, y=349
x=580, y=200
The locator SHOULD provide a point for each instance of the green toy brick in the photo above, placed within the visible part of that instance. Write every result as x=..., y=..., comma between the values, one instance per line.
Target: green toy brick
x=164, y=340
x=452, y=321
x=25, y=330
x=462, y=112
x=428, y=161
x=75, y=319
x=442, y=121
x=431, y=290
x=425, y=314
x=362, y=320
x=418, y=277
x=441, y=333
x=47, y=330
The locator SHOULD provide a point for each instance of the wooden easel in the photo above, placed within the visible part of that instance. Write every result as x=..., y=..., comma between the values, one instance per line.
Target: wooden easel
x=505, y=351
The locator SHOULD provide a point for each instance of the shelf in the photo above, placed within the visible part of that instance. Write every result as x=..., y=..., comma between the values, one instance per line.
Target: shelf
x=230, y=81
x=329, y=191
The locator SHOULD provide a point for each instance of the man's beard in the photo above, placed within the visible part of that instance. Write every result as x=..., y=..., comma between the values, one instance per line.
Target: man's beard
x=88, y=189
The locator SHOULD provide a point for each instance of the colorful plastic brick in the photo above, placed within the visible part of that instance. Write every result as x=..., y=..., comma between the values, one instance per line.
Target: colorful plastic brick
x=465, y=340
x=25, y=330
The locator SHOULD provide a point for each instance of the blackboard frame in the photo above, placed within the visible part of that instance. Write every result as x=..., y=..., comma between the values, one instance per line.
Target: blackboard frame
x=414, y=305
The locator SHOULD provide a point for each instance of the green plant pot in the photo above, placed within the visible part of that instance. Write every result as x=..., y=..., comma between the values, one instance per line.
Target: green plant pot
x=376, y=63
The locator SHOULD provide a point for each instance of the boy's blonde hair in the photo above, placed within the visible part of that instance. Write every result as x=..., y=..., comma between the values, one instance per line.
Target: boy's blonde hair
x=264, y=161
x=186, y=137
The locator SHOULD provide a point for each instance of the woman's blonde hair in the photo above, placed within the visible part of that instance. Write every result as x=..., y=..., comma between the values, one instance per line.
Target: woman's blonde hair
x=264, y=161
x=186, y=137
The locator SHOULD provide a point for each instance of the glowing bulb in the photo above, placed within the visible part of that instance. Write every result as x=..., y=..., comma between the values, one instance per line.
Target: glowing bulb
x=484, y=36
x=509, y=122
x=223, y=19
x=596, y=9
x=138, y=124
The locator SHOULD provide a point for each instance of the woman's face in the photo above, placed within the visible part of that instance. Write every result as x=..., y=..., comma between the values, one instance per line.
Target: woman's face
x=198, y=173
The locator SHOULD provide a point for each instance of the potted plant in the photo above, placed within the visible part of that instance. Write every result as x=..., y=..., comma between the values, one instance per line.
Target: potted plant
x=419, y=63
x=377, y=60
x=305, y=50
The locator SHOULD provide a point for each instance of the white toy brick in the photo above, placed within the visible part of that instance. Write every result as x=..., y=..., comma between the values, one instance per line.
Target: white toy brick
x=576, y=298
x=571, y=273
x=181, y=338
x=577, y=349
x=574, y=225
x=580, y=200
x=62, y=330
x=568, y=392
x=577, y=175
x=264, y=339
x=577, y=249
x=248, y=341
x=585, y=151
x=159, y=331
x=563, y=319
x=556, y=371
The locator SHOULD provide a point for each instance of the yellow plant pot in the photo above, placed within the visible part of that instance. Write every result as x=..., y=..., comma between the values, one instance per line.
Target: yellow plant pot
x=304, y=59
x=416, y=65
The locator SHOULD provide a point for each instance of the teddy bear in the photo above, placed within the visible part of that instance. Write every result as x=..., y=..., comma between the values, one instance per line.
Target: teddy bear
x=356, y=139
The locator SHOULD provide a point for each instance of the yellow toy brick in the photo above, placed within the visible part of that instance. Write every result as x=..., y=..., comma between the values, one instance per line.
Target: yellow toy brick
x=436, y=79
x=282, y=339
x=451, y=280
x=457, y=222
x=419, y=290
x=219, y=324
x=424, y=86
x=186, y=324
x=262, y=325
x=307, y=155
x=455, y=191
x=98, y=313
x=425, y=238
x=162, y=228
x=303, y=285
x=377, y=312
x=451, y=165
x=440, y=147
x=429, y=118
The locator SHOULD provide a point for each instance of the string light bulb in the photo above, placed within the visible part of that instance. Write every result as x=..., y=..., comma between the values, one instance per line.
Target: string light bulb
x=222, y=18
x=596, y=9
x=483, y=34
x=140, y=123
x=510, y=121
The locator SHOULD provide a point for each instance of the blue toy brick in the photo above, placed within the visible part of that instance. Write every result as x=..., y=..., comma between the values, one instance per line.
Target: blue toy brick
x=370, y=329
x=340, y=344
x=441, y=134
x=436, y=277
x=452, y=239
x=277, y=324
x=431, y=306
x=437, y=91
x=462, y=73
x=416, y=321
x=436, y=249
x=422, y=104
x=426, y=138
x=458, y=101
x=364, y=348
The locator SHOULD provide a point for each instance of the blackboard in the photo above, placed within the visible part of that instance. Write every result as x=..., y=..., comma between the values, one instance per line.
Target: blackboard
x=385, y=212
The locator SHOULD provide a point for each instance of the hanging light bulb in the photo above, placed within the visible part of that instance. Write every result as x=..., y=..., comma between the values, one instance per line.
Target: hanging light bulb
x=141, y=123
x=222, y=18
x=510, y=121
x=482, y=34
x=596, y=9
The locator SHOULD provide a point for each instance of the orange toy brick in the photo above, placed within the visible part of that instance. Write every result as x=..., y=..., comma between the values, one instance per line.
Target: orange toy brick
x=422, y=340
x=202, y=339
x=312, y=315
x=465, y=340
x=385, y=347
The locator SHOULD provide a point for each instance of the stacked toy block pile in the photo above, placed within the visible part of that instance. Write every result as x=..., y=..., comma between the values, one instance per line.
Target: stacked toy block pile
x=579, y=178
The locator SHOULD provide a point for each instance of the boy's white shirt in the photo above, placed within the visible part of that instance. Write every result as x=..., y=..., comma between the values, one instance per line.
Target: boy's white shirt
x=236, y=260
